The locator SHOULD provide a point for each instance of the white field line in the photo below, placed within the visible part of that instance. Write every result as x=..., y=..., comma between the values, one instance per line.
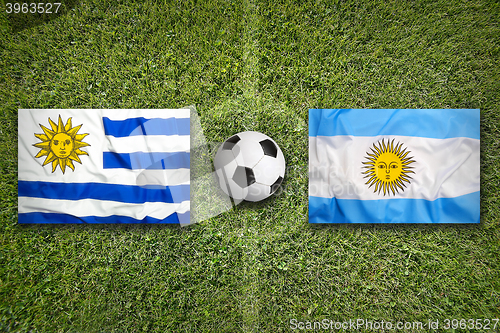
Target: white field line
x=249, y=301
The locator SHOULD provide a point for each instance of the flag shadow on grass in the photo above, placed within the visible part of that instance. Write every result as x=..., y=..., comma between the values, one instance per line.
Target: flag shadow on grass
x=206, y=197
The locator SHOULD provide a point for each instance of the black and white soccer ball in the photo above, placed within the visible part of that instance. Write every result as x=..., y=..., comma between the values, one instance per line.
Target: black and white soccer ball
x=250, y=166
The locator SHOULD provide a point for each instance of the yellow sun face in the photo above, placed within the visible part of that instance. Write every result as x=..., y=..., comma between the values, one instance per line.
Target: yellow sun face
x=388, y=167
x=61, y=144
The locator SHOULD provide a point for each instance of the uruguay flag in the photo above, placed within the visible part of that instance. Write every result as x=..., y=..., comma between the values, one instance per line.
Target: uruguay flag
x=104, y=166
x=394, y=166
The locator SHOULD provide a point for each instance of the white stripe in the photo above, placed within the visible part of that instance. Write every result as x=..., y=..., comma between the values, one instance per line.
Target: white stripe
x=147, y=143
x=91, y=207
x=122, y=114
x=444, y=168
x=114, y=114
x=110, y=176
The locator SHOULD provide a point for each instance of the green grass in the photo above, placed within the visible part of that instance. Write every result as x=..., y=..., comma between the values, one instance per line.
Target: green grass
x=250, y=65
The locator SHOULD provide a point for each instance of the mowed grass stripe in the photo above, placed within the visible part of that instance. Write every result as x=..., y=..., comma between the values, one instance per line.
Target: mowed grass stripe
x=249, y=297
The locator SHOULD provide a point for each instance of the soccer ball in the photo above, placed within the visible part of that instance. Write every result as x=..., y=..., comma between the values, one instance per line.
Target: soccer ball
x=250, y=166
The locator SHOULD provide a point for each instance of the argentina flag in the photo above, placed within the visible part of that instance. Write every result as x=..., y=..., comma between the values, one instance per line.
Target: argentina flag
x=104, y=166
x=394, y=166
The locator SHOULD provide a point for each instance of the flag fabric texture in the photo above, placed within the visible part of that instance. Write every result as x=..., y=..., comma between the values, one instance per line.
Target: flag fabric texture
x=394, y=166
x=104, y=166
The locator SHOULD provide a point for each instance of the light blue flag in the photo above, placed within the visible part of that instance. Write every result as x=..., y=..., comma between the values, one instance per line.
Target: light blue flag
x=394, y=166
x=104, y=166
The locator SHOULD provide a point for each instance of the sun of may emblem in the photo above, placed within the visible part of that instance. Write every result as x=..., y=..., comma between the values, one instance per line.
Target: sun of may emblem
x=388, y=167
x=61, y=144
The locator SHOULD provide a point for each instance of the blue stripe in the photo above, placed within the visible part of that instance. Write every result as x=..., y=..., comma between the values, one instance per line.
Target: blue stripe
x=150, y=161
x=65, y=218
x=462, y=209
x=100, y=191
x=428, y=123
x=143, y=126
